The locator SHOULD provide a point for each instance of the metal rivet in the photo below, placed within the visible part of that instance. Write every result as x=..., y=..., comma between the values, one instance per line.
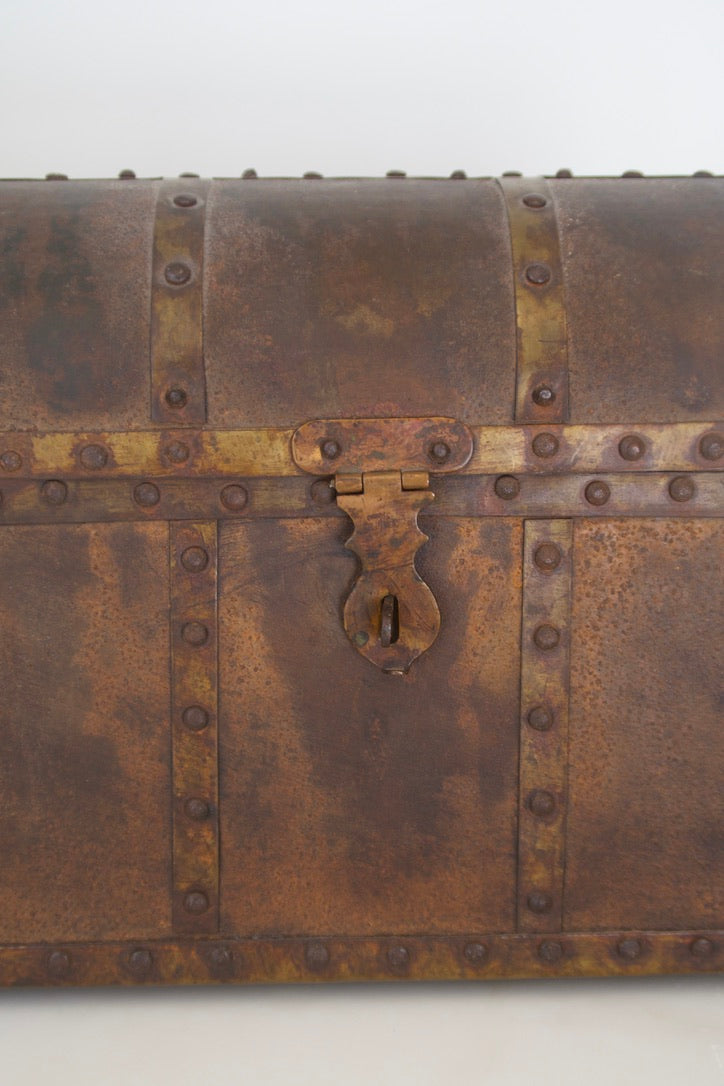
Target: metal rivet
x=177, y=273
x=312, y=175
x=316, y=955
x=550, y=951
x=140, y=962
x=682, y=488
x=195, y=718
x=547, y=557
x=196, y=809
x=177, y=452
x=127, y=175
x=538, y=274
x=11, y=461
x=458, y=175
x=322, y=491
x=330, y=449
x=597, y=492
x=632, y=173
x=439, y=451
x=189, y=174
x=398, y=957
x=545, y=445
x=361, y=638
x=534, y=199
x=185, y=199
x=249, y=175
x=221, y=960
x=541, y=803
x=631, y=447
x=146, y=494
x=56, y=177
x=195, y=633
x=58, y=963
x=701, y=947
x=176, y=398
x=195, y=559
x=544, y=396
x=476, y=953
x=54, y=492
x=564, y=174
x=507, y=487
x=234, y=497
x=540, y=718
x=711, y=446
x=546, y=637
x=702, y=173
x=511, y=173
x=629, y=949
x=396, y=173
x=196, y=902
x=94, y=457
x=539, y=902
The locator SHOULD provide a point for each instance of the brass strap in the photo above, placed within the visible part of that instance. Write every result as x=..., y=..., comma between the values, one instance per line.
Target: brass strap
x=178, y=382
x=541, y=393
x=545, y=654
x=193, y=560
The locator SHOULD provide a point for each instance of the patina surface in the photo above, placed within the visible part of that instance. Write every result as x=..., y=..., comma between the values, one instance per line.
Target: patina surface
x=514, y=390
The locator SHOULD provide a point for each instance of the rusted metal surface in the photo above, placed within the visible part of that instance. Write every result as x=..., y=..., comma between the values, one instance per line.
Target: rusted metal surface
x=541, y=391
x=360, y=445
x=193, y=557
x=545, y=655
x=390, y=616
x=204, y=780
x=178, y=382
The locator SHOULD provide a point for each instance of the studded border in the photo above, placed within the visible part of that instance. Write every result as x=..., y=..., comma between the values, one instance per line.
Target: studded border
x=193, y=551
x=545, y=655
x=475, y=956
x=541, y=393
x=178, y=380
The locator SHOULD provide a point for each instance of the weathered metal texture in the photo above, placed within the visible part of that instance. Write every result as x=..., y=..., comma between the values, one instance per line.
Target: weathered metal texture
x=178, y=382
x=545, y=655
x=193, y=555
x=541, y=390
x=175, y=579
x=473, y=956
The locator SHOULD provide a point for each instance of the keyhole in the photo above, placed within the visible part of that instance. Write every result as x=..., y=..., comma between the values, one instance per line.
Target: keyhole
x=389, y=621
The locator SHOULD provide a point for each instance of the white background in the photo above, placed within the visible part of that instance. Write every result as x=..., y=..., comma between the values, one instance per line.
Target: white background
x=356, y=89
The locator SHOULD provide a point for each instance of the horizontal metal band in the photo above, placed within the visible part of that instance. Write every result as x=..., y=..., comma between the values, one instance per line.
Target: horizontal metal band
x=551, y=450
x=79, y=501
x=209, y=960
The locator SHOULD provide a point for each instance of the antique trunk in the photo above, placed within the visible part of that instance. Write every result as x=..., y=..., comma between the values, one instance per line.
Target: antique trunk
x=361, y=578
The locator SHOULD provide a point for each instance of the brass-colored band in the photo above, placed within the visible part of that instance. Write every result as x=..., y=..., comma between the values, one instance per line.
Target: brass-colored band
x=205, y=960
x=544, y=723
x=178, y=382
x=541, y=393
x=194, y=453
x=168, y=499
x=193, y=578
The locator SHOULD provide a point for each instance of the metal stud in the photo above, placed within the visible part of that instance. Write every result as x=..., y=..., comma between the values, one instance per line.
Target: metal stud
x=544, y=396
x=396, y=173
x=147, y=495
x=312, y=175
x=189, y=174
x=702, y=947
x=682, y=488
x=316, y=955
x=547, y=557
x=545, y=445
x=185, y=200
x=597, y=492
x=631, y=447
x=127, y=175
x=331, y=449
x=195, y=718
x=195, y=559
x=176, y=398
x=507, y=487
x=439, y=452
x=540, y=718
x=538, y=274
x=630, y=949
x=177, y=452
x=54, y=492
x=711, y=446
x=196, y=809
x=458, y=175
x=220, y=961
x=534, y=200
x=56, y=177
x=140, y=962
x=58, y=963
x=476, y=953
x=550, y=951
x=398, y=957
x=195, y=634
x=541, y=803
x=632, y=173
x=196, y=902
x=546, y=637
x=177, y=273
x=234, y=497
x=94, y=457
x=249, y=175
x=322, y=492
x=564, y=174
x=539, y=902
x=11, y=460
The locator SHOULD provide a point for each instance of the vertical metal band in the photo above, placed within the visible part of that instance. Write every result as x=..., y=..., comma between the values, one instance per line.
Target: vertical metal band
x=193, y=574
x=541, y=393
x=178, y=383
x=544, y=723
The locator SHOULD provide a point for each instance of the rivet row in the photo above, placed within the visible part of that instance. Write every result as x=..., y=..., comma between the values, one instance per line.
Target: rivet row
x=456, y=175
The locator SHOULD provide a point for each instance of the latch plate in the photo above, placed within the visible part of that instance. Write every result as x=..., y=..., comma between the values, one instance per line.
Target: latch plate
x=334, y=446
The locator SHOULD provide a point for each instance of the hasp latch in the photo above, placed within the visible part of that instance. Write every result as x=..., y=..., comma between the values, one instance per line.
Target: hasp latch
x=382, y=479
